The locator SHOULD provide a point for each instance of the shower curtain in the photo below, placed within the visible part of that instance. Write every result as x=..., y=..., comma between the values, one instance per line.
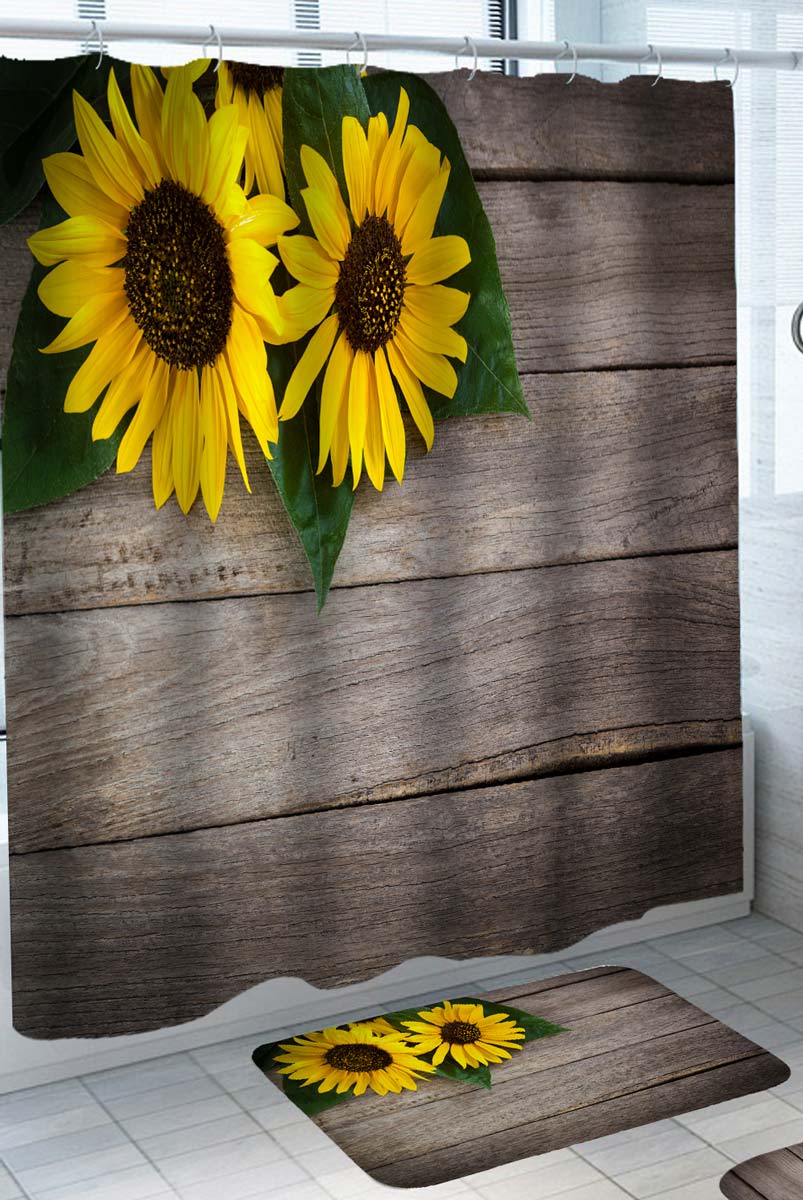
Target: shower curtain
x=515, y=718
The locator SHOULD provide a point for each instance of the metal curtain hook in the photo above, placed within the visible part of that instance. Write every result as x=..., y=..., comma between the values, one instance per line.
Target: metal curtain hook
x=660, y=74
x=468, y=44
x=728, y=57
x=214, y=36
x=573, y=75
x=359, y=43
x=96, y=33
x=646, y=58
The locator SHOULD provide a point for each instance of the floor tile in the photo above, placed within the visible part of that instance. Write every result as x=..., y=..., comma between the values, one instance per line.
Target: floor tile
x=37, y=1129
x=542, y=1182
x=192, y=1138
x=775, y=1138
x=255, y=1181
x=762, y=1114
x=649, y=1181
x=137, y=1183
x=160, y=1099
x=181, y=1116
x=8, y=1188
x=643, y=1151
x=143, y=1077
x=219, y=1162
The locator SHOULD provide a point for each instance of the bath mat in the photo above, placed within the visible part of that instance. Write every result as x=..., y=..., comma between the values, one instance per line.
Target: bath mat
x=775, y=1176
x=596, y=1052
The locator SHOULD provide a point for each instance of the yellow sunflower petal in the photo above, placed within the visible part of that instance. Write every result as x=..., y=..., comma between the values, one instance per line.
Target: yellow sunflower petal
x=185, y=406
x=422, y=165
x=392, y=424
x=214, y=436
x=385, y=188
x=247, y=362
x=339, y=450
x=302, y=307
x=124, y=391
x=414, y=395
x=355, y=166
x=421, y=224
x=437, y=259
x=319, y=175
x=251, y=267
x=329, y=225
x=438, y=339
x=68, y=286
x=358, y=410
x=265, y=219
x=88, y=239
x=185, y=134
x=436, y=304
x=111, y=353
x=377, y=141
x=140, y=155
x=73, y=185
x=308, y=368
x=440, y=1054
x=148, y=99
x=162, y=454
x=374, y=445
x=148, y=413
x=308, y=262
x=433, y=370
x=226, y=149
x=261, y=145
x=99, y=315
x=334, y=393
x=106, y=159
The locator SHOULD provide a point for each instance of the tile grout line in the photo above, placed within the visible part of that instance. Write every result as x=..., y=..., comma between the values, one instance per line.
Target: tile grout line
x=13, y=1174
x=100, y=1103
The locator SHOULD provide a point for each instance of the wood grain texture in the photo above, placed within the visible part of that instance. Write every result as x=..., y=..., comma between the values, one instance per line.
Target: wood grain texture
x=210, y=713
x=538, y=128
x=634, y=1053
x=145, y=933
x=774, y=1176
x=596, y=274
x=613, y=464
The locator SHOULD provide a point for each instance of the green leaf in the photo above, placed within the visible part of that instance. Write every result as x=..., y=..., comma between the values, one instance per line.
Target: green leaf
x=480, y=1076
x=319, y=511
x=36, y=118
x=314, y=104
x=47, y=453
x=488, y=381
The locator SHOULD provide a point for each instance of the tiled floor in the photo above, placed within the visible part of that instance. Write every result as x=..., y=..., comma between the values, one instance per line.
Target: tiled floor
x=205, y=1125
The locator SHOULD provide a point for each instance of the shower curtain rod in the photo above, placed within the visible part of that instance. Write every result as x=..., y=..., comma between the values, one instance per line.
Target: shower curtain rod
x=106, y=33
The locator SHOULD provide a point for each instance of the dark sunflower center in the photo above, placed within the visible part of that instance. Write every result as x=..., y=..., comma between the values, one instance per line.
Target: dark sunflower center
x=358, y=1056
x=460, y=1033
x=177, y=276
x=370, y=288
x=256, y=79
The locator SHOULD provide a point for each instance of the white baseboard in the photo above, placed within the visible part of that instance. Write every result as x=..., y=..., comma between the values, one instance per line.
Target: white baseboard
x=289, y=1003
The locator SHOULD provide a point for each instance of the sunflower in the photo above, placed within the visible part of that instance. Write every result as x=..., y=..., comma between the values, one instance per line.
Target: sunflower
x=371, y=280
x=466, y=1033
x=162, y=264
x=256, y=92
x=358, y=1057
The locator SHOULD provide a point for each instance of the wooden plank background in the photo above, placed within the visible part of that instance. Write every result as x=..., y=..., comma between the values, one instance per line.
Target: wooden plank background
x=542, y=620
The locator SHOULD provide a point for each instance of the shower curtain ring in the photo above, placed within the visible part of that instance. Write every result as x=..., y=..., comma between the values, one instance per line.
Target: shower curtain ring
x=468, y=44
x=728, y=57
x=660, y=74
x=95, y=33
x=359, y=43
x=214, y=36
x=648, y=57
x=796, y=335
x=569, y=49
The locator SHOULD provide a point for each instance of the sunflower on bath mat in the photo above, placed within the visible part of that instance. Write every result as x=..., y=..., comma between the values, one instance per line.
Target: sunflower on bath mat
x=457, y=1039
